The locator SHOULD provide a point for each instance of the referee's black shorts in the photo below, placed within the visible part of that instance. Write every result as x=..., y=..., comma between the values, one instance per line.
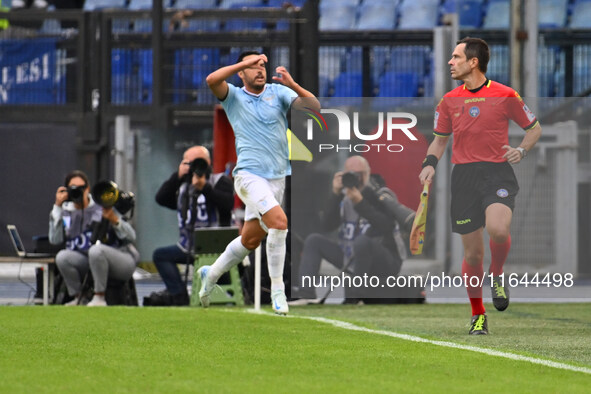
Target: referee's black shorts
x=475, y=186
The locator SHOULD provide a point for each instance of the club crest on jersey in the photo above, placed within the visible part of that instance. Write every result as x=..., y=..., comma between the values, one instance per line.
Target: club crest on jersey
x=502, y=193
x=474, y=111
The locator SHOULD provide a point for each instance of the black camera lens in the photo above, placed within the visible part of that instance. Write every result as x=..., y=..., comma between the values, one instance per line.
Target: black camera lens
x=75, y=193
x=200, y=167
x=351, y=179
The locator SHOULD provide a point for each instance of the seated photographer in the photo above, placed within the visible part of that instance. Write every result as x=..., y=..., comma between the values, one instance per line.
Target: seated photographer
x=368, y=215
x=77, y=219
x=190, y=189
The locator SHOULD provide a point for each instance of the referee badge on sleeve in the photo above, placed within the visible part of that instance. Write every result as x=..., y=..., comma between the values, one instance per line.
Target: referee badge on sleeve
x=502, y=193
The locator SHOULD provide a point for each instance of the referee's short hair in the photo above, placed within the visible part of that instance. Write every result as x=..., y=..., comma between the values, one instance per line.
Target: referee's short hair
x=478, y=48
x=245, y=54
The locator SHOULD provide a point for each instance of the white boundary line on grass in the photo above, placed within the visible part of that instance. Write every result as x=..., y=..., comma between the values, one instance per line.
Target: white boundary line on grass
x=412, y=338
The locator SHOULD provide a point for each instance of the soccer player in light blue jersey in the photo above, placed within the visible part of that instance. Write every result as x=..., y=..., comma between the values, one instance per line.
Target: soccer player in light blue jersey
x=258, y=115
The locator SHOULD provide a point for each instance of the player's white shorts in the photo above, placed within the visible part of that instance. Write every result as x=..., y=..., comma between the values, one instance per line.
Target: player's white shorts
x=258, y=194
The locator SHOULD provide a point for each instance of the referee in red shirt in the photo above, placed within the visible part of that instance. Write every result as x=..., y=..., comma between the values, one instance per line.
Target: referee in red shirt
x=483, y=184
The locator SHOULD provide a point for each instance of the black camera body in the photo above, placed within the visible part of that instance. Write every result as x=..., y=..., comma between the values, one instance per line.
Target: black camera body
x=75, y=193
x=351, y=179
x=200, y=167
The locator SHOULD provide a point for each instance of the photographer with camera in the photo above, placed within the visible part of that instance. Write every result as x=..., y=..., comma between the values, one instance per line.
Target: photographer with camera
x=77, y=220
x=369, y=217
x=202, y=199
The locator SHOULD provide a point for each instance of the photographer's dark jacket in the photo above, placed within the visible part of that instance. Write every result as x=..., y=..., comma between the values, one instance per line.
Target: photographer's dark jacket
x=75, y=227
x=213, y=205
x=377, y=215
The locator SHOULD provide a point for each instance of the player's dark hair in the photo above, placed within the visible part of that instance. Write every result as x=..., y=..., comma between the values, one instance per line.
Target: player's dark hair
x=478, y=48
x=245, y=54
x=76, y=174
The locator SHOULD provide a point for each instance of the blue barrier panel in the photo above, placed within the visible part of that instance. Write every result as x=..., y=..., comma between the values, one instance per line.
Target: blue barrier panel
x=28, y=72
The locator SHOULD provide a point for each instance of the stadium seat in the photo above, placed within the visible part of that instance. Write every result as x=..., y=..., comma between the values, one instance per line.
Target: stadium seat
x=377, y=15
x=581, y=15
x=324, y=86
x=348, y=84
x=498, y=67
x=197, y=24
x=244, y=24
x=552, y=13
x=353, y=59
x=408, y=59
x=330, y=61
x=498, y=15
x=418, y=14
x=337, y=16
x=469, y=11
x=399, y=84
x=191, y=68
x=227, y=4
x=94, y=5
x=379, y=57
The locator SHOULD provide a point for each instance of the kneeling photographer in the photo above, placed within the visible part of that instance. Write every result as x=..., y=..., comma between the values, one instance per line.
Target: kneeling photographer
x=96, y=236
x=369, y=217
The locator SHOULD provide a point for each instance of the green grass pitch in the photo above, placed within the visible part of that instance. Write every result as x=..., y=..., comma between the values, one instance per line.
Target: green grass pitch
x=118, y=349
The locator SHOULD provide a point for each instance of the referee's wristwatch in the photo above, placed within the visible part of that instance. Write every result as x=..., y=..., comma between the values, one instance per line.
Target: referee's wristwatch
x=522, y=151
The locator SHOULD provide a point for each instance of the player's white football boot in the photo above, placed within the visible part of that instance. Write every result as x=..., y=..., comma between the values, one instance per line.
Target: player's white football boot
x=205, y=291
x=279, y=302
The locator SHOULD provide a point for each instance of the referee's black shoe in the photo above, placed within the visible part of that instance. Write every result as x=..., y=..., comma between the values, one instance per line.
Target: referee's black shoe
x=500, y=294
x=478, y=325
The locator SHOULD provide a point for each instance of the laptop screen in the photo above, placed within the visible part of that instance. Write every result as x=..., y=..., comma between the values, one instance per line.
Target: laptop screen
x=16, y=240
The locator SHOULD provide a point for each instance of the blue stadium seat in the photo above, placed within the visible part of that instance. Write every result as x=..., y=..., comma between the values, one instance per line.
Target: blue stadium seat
x=94, y=5
x=552, y=13
x=191, y=68
x=244, y=24
x=498, y=67
x=418, y=14
x=399, y=84
x=379, y=58
x=348, y=84
x=324, y=86
x=498, y=15
x=197, y=24
x=469, y=11
x=279, y=3
x=581, y=15
x=330, y=61
x=408, y=59
x=337, y=16
x=227, y=4
x=377, y=15
x=353, y=59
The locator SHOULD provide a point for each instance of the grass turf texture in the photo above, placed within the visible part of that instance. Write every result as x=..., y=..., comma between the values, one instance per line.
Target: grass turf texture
x=193, y=350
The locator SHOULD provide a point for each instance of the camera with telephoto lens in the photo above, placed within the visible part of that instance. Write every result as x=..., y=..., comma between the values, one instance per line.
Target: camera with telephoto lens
x=75, y=193
x=200, y=167
x=107, y=195
x=351, y=179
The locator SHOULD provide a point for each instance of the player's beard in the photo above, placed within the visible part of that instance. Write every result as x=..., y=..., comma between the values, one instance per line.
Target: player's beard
x=257, y=83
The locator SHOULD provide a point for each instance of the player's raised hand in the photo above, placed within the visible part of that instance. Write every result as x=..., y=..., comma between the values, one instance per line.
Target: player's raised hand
x=512, y=155
x=283, y=77
x=251, y=61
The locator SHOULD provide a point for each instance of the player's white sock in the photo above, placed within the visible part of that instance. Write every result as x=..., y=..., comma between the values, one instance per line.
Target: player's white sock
x=235, y=252
x=276, y=257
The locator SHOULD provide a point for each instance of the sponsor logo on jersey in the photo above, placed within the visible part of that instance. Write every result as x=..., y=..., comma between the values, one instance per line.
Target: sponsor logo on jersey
x=463, y=221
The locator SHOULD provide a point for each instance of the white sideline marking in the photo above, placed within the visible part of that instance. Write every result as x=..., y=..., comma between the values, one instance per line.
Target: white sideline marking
x=412, y=338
